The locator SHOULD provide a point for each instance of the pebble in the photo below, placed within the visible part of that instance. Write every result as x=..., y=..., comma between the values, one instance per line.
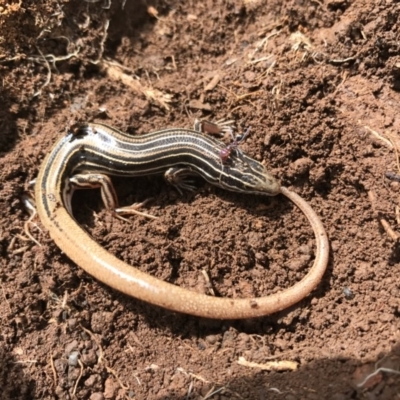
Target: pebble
x=302, y=165
x=91, y=381
x=211, y=339
x=335, y=245
x=96, y=396
x=109, y=389
x=72, y=323
x=71, y=347
x=395, y=186
x=348, y=293
x=73, y=359
x=249, y=76
x=89, y=358
x=299, y=263
x=201, y=346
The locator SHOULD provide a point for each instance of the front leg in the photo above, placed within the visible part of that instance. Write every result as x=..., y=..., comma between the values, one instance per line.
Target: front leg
x=178, y=177
x=93, y=180
x=218, y=128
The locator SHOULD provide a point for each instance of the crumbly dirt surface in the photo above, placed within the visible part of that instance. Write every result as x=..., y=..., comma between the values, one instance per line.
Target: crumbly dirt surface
x=318, y=83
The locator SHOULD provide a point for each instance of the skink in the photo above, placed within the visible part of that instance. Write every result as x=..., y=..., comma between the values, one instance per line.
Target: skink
x=86, y=157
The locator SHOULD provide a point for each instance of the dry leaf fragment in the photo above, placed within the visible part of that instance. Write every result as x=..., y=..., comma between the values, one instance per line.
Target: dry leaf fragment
x=213, y=83
x=197, y=104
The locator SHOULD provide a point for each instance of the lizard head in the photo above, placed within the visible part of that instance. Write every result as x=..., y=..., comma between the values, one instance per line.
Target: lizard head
x=244, y=174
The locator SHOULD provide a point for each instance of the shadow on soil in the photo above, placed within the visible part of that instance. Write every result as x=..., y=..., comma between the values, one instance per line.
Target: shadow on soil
x=14, y=385
x=344, y=379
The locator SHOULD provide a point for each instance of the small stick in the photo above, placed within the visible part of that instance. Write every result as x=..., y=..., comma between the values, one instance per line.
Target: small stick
x=54, y=370
x=79, y=378
x=386, y=226
x=396, y=153
x=208, y=282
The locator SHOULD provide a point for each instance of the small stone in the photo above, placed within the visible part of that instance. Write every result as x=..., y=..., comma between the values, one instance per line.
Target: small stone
x=243, y=338
x=395, y=186
x=89, y=358
x=72, y=323
x=302, y=165
x=299, y=263
x=71, y=347
x=249, y=76
x=201, y=346
x=211, y=339
x=73, y=359
x=92, y=380
x=335, y=245
x=109, y=388
x=97, y=396
x=348, y=293
x=59, y=392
